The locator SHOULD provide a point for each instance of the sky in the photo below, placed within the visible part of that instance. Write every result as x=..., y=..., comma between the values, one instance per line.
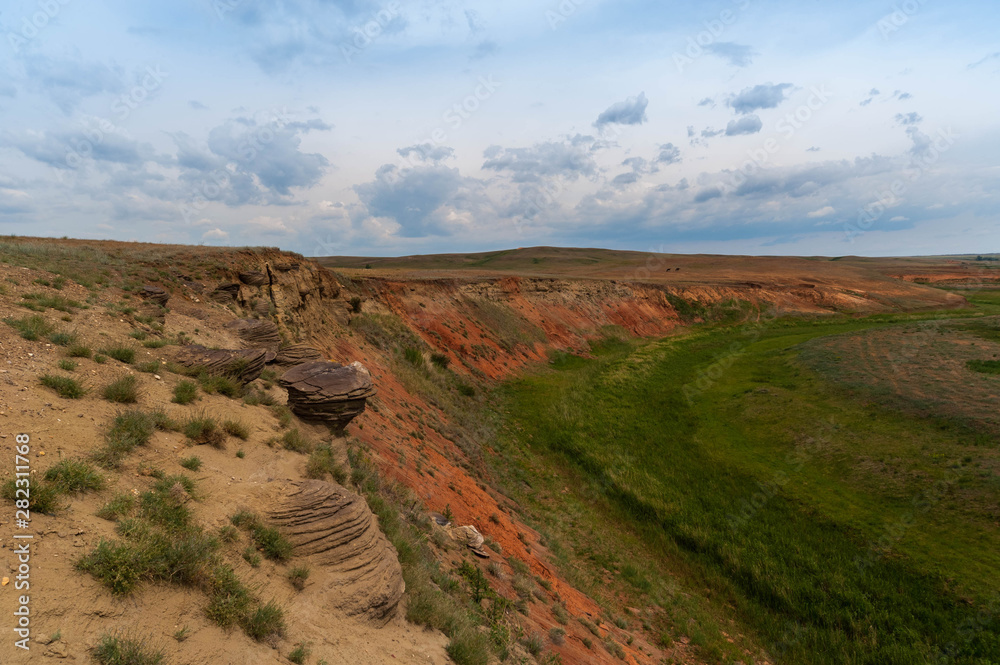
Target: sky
x=362, y=127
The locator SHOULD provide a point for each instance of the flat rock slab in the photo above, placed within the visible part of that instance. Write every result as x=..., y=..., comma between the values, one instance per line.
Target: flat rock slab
x=335, y=528
x=328, y=391
x=154, y=294
x=244, y=364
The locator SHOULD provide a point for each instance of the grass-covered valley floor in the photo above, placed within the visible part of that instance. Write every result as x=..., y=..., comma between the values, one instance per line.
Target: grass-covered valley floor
x=731, y=486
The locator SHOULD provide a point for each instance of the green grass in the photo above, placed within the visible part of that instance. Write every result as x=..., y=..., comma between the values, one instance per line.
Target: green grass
x=267, y=539
x=122, y=391
x=67, y=365
x=223, y=385
x=43, y=496
x=148, y=367
x=119, y=506
x=40, y=302
x=191, y=463
x=62, y=338
x=64, y=386
x=185, y=392
x=203, y=430
x=237, y=429
x=720, y=460
x=984, y=366
x=74, y=476
x=120, y=650
x=79, y=351
x=119, y=352
x=129, y=429
x=299, y=654
x=297, y=576
x=31, y=328
x=322, y=464
x=295, y=441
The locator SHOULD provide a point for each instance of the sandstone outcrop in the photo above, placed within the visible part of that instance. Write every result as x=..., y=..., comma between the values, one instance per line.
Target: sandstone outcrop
x=154, y=295
x=337, y=530
x=296, y=354
x=244, y=365
x=225, y=293
x=253, y=278
x=328, y=392
x=257, y=333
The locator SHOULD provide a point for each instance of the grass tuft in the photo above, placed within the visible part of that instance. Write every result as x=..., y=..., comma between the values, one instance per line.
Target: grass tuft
x=74, y=476
x=204, y=430
x=31, y=328
x=118, y=650
x=122, y=391
x=64, y=386
x=119, y=352
x=185, y=392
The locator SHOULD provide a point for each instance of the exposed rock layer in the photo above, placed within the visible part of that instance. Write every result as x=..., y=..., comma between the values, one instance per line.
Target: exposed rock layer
x=337, y=530
x=243, y=364
x=328, y=391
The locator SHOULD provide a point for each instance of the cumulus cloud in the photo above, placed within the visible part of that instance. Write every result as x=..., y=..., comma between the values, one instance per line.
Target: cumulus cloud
x=737, y=55
x=669, y=154
x=427, y=152
x=763, y=96
x=825, y=211
x=630, y=112
x=749, y=124
x=707, y=194
x=570, y=159
x=908, y=118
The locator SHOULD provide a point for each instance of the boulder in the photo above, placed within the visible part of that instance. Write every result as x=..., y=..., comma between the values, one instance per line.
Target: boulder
x=253, y=278
x=257, y=333
x=328, y=392
x=357, y=567
x=154, y=294
x=286, y=267
x=296, y=354
x=225, y=293
x=242, y=364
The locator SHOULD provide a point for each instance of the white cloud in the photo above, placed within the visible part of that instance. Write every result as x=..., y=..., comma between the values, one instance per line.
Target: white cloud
x=825, y=211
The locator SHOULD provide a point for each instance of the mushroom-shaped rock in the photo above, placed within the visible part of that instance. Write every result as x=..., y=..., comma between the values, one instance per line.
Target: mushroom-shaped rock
x=337, y=530
x=257, y=333
x=296, y=354
x=225, y=293
x=253, y=277
x=242, y=364
x=328, y=391
x=154, y=294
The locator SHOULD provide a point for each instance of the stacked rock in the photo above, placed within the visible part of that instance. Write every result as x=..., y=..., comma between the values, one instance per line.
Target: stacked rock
x=337, y=530
x=253, y=278
x=245, y=365
x=328, y=392
x=155, y=295
x=225, y=293
x=257, y=333
x=296, y=354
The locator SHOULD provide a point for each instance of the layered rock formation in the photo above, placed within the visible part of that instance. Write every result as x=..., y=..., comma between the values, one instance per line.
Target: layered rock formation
x=257, y=333
x=253, y=278
x=328, y=392
x=154, y=295
x=244, y=365
x=225, y=293
x=296, y=354
x=337, y=530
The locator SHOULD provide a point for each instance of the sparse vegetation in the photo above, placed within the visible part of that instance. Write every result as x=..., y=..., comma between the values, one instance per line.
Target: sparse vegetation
x=62, y=338
x=119, y=650
x=236, y=429
x=267, y=539
x=128, y=430
x=64, y=386
x=78, y=351
x=67, y=365
x=117, y=507
x=185, y=392
x=31, y=328
x=42, y=497
x=297, y=576
x=299, y=653
x=120, y=352
x=191, y=463
x=74, y=476
x=123, y=391
x=204, y=430
x=322, y=463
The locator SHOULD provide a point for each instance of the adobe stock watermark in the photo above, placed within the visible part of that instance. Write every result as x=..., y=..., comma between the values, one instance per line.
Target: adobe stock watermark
x=562, y=12
x=32, y=25
x=899, y=16
x=891, y=196
x=211, y=188
x=787, y=126
x=714, y=29
x=365, y=35
x=83, y=147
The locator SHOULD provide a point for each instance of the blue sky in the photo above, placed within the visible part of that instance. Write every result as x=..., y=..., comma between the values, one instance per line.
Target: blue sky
x=382, y=128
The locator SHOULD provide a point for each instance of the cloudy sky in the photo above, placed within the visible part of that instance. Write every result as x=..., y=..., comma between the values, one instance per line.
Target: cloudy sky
x=402, y=127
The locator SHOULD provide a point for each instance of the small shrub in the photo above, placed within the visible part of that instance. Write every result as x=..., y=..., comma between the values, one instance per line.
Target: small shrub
x=224, y=385
x=557, y=635
x=440, y=360
x=78, y=351
x=118, y=507
x=74, y=476
x=100, y=359
x=228, y=533
x=274, y=546
x=297, y=576
x=229, y=600
x=414, y=356
x=469, y=647
x=116, y=650
x=283, y=414
x=67, y=365
x=62, y=338
x=156, y=343
x=191, y=463
x=149, y=367
x=31, y=328
x=299, y=654
x=185, y=392
x=205, y=430
x=240, y=454
x=294, y=440
x=534, y=644
x=120, y=352
x=266, y=621
x=64, y=386
x=43, y=497
x=250, y=556
x=137, y=335
x=560, y=613
x=128, y=430
x=356, y=304
x=237, y=429
x=123, y=391
x=323, y=462
x=465, y=390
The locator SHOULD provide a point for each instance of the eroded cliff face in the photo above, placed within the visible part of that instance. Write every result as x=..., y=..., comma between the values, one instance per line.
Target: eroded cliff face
x=489, y=329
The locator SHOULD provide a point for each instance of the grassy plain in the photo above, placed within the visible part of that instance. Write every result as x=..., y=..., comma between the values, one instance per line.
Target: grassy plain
x=752, y=501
